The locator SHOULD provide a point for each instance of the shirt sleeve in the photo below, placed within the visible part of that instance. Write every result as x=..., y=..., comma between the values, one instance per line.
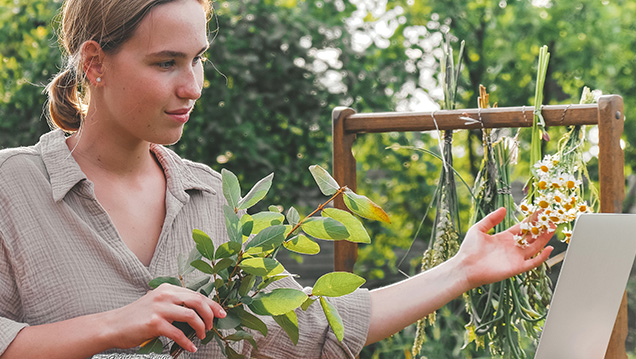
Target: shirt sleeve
x=9, y=301
x=316, y=339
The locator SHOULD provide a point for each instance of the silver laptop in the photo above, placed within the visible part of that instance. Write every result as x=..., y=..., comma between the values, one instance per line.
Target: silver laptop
x=590, y=287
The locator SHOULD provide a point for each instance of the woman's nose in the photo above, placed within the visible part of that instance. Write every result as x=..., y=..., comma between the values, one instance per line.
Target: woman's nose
x=191, y=84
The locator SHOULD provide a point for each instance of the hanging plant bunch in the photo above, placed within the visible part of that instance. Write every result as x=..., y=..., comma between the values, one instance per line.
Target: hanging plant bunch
x=499, y=309
x=445, y=236
x=558, y=185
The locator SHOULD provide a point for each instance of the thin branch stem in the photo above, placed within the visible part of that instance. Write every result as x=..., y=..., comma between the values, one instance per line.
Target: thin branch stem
x=320, y=207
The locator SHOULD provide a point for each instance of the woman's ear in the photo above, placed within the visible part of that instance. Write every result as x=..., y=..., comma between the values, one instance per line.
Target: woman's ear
x=92, y=58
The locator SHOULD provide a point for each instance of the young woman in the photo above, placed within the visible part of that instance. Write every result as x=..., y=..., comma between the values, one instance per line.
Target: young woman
x=87, y=220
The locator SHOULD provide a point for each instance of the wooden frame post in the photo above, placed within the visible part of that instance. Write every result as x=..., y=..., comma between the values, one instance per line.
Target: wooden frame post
x=344, y=172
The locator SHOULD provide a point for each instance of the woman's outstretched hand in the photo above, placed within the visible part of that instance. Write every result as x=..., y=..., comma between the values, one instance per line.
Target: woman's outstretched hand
x=489, y=258
x=482, y=258
x=152, y=315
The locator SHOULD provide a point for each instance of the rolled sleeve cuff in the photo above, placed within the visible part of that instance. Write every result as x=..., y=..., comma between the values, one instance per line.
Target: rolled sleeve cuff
x=9, y=329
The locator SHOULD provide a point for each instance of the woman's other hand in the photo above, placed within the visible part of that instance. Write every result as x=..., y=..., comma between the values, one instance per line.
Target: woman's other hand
x=152, y=316
x=487, y=258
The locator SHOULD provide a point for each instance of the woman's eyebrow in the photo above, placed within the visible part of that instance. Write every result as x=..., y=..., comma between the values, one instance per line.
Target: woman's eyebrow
x=178, y=54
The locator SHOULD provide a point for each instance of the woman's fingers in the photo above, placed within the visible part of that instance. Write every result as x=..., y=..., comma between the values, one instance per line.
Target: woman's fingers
x=171, y=332
x=205, y=307
x=153, y=316
x=491, y=220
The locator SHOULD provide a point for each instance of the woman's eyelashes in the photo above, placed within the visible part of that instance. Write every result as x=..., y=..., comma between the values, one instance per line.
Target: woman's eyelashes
x=166, y=65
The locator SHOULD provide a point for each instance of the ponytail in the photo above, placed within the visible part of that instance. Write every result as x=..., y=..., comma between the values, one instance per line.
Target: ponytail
x=66, y=109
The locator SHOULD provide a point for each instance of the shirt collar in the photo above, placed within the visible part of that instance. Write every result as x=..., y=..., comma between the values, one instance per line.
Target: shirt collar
x=179, y=175
x=65, y=173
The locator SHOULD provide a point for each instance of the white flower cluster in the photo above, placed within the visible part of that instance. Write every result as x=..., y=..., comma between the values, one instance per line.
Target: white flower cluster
x=556, y=198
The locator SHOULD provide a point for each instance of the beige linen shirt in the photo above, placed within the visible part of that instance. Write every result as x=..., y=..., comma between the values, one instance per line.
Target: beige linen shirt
x=61, y=256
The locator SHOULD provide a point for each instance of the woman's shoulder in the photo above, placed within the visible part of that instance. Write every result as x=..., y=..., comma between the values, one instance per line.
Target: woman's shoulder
x=14, y=161
x=203, y=172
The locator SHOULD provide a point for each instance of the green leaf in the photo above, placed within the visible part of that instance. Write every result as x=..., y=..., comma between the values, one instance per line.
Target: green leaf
x=228, y=249
x=327, y=184
x=302, y=244
x=261, y=266
x=273, y=208
x=183, y=262
x=307, y=303
x=289, y=323
x=208, y=338
x=357, y=232
x=205, y=246
x=207, y=289
x=160, y=280
x=231, y=188
x=154, y=346
x=241, y=335
x=232, y=354
x=257, y=192
x=266, y=219
x=364, y=207
x=271, y=279
x=247, y=283
x=203, y=266
x=251, y=321
x=230, y=321
x=336, y=284
x=232, y=224
x=268, y=238
x=247, y=225
x=292, y=216
x=277, y=302
x=222, y=264
x=335, y=322
x=325, y=228
x=197, y=283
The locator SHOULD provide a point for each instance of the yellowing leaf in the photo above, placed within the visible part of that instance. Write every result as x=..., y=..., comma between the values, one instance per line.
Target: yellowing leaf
x=364, y=207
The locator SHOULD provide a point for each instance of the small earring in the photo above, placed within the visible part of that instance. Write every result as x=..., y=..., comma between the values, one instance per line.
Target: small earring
x=99, y=80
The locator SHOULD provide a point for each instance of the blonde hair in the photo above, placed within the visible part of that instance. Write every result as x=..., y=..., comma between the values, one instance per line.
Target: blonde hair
x=109, y=23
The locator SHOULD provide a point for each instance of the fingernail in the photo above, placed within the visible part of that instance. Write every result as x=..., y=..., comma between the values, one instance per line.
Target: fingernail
x=193, y=349
x=222, y=313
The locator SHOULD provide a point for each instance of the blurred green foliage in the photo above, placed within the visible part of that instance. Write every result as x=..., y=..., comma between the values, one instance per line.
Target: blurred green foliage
x=278, y=67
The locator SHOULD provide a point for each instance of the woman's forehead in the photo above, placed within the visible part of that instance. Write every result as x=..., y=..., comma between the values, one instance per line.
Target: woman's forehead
x=175, y=26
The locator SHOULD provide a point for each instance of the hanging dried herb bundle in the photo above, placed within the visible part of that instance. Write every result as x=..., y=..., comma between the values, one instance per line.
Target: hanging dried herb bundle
x=499, y=309
x=444, y=241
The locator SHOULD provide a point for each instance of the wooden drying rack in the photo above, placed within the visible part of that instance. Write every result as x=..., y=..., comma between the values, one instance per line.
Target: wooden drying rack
x=607, y=114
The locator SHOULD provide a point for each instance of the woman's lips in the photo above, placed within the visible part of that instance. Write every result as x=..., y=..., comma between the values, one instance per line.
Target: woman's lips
x=180, y=115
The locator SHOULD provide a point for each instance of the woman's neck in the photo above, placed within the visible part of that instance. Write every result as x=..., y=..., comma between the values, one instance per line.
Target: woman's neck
x=104, y=151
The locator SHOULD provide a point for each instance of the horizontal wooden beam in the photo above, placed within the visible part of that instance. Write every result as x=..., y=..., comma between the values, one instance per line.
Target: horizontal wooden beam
x=554, y=115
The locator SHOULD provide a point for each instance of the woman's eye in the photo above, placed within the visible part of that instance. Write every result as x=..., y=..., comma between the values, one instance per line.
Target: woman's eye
x=166, y=64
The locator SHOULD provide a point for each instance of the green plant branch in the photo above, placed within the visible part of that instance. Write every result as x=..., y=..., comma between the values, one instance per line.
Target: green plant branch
x=320, y=208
